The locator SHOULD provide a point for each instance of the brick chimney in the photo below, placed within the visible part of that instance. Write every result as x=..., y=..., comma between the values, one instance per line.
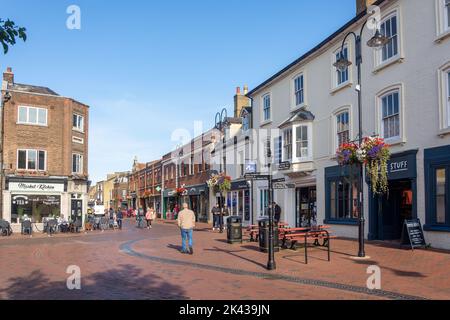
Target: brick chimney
x=8, y=76
x=362, y=5
x=240, y=101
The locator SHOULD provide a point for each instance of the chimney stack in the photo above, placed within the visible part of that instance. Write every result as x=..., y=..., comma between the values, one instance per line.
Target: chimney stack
x=240, y=101
x=8, y=76
x=362, y=5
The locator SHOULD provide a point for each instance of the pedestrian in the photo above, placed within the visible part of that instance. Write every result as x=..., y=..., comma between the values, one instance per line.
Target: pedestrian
x=225, y=212
x=176, y=210
x=186, y=222
x=149, y=216
x=111, y=218
x=216, y=216
x=119, y=217
x=277, y=212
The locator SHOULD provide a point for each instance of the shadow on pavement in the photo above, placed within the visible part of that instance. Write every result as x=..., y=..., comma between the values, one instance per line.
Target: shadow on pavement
x=233, y=253
x=125, y=283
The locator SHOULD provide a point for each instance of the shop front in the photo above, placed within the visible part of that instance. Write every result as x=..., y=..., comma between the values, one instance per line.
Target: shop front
x=170, y=203
x=388, y=212
x=37, y=199
x=238, y=200
x=198, y=201
x=305, y=206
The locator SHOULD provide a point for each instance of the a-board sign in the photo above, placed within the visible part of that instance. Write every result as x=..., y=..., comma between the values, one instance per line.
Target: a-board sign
x=412, y=234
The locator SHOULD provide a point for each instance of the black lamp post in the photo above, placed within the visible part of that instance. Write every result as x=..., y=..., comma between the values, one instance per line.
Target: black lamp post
x=342, y=64
x=220, y=124
x=271, y=265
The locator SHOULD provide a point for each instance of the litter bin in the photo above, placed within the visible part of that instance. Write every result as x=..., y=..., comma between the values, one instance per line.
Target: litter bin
x=264, y=236
x=234, y=229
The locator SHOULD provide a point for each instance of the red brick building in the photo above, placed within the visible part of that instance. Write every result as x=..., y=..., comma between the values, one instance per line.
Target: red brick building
x=44, y=153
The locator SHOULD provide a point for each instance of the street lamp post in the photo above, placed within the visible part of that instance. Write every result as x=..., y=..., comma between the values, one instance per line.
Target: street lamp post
x=342, y=64
x=271, y=265
x=220, y=124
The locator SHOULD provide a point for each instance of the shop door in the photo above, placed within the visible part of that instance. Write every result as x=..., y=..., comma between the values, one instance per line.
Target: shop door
x=76, y=210
x=306, y=204
x=396, y=207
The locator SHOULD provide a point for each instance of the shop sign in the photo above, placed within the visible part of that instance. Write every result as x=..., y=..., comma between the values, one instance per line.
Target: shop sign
x=402, y=167
x=250, y=167
x=35, y=187
x=284, y=165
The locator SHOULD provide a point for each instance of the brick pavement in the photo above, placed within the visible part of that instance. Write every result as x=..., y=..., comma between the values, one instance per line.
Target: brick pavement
x=146, y=264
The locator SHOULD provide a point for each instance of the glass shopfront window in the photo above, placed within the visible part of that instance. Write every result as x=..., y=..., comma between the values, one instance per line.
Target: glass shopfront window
x=36, y=207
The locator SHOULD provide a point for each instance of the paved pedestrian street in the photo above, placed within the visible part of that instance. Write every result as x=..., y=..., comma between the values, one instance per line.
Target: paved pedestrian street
x=146, y=264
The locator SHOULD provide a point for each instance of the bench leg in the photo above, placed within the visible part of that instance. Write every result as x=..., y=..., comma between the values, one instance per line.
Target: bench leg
x=306, y=251
x=328, y=246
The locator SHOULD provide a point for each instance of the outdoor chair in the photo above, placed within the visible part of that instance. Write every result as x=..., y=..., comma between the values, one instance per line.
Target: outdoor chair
x=52, y=226
x=97, y=223
x=27, y=228
x=5, y=228
x=104, y=223
x=75, y=226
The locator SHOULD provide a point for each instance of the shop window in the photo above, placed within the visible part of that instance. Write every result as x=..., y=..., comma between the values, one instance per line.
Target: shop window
x=441, y=183
x=36, y=207
x=31, y=160
x=263, y=202
x=341, y=195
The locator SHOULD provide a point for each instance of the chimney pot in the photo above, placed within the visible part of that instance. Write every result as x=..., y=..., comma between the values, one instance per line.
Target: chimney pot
x=8, y=76
x=238, y=91
x=245, y=90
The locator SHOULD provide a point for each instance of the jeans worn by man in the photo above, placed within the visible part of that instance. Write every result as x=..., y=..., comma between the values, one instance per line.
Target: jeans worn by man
x=186, y=222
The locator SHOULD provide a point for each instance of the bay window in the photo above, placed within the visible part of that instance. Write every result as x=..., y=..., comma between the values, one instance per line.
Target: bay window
x=302, y=142
x=448, y=97
x=31, y=160
x=287, y=144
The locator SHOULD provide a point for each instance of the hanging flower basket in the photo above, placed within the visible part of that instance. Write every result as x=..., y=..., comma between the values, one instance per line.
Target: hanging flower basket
x=374, y=154
x=182, y=191
x=220, y=183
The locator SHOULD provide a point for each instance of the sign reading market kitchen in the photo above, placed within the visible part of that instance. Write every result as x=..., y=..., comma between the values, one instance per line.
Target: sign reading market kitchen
x=36, y=187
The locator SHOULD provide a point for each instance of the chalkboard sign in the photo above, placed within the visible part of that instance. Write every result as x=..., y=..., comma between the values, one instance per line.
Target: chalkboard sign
x=413, y=234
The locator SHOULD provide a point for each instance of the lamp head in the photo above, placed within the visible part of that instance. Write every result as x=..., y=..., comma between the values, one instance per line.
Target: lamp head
x=342, y=63
x=378, y=40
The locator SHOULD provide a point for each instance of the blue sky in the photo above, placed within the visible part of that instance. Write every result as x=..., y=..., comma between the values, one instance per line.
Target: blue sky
x=147, y=68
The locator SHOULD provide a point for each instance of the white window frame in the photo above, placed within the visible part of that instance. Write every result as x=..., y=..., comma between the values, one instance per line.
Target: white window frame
x=263, y=108
x=77, y=140
x=379, y=118
x=334, y=137
x=80, y=159
x=335, y=86
x=294, y=105
x=77, y=128
x=442, y=20
x=283, y=145
x=27, y=122
x=309, y=157
x=37, y=160
x=444, y=101
x=378, y=53
x=301, y=90
x=340, y=114
x=245, y=123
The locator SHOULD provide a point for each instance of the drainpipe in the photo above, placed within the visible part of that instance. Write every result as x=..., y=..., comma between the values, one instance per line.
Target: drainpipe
x=4, y=98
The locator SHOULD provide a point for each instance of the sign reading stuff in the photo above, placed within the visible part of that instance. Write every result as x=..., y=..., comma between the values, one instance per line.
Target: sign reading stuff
x=35, y=187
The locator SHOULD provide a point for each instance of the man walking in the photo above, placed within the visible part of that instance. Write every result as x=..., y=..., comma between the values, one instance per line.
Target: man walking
x=119, y=217
x=186, y=222
x=277, y=212
x=216, y=216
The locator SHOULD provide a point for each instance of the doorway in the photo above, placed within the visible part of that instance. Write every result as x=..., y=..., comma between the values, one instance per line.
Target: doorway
x=76, y=210
x=394, y=208
x=305, y=207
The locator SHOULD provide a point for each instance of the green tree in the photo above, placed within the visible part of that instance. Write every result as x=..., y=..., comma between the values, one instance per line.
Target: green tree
x=9, y=32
